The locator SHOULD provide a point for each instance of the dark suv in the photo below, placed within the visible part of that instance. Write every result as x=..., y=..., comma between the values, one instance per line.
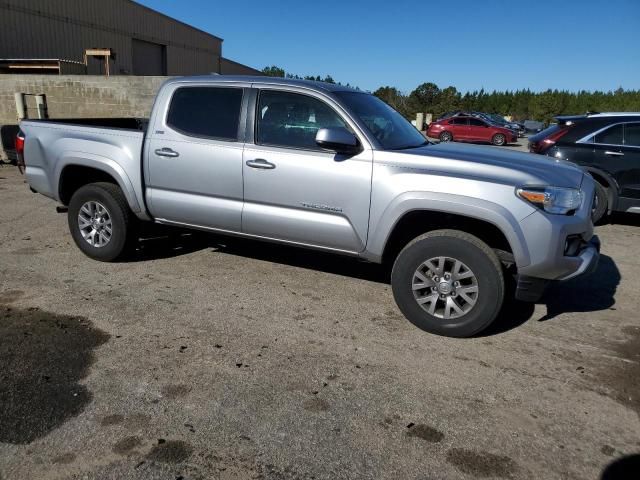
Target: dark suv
x=607, y=145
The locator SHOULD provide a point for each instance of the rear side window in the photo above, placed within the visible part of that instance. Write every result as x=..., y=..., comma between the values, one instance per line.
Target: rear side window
x=610, y=136
x=292, y=120
x=632, y=134
x=459, y=121
x=209, y=112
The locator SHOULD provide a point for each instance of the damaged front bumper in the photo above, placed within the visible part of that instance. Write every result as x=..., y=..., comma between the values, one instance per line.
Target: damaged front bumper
x=530, y=289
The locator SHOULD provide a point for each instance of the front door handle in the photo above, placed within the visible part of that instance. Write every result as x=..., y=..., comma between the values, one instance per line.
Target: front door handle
x=166, y=152
x=614, y=154
x=260, y=163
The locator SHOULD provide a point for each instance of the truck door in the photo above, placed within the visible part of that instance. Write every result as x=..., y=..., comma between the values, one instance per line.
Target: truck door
x=293, y=189
x=193, y=154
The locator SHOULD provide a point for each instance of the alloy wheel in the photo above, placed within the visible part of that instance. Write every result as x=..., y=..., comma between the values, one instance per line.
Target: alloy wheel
x=445, y=287
x=94, y=222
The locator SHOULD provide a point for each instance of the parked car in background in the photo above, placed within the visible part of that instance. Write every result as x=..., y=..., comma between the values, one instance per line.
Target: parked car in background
x=533, y=126
x=470, y=129
x=323, y=166
x=500, y=120
x=607, y=145
x=494, y=119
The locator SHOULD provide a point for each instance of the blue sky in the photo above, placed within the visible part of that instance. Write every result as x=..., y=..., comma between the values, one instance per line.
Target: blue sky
x=470, y=44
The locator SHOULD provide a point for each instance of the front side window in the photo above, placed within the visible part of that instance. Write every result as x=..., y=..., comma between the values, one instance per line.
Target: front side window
x=210, y=112
x=632, y=134
x=474, y=122
x=292, y=120
x=610, y=136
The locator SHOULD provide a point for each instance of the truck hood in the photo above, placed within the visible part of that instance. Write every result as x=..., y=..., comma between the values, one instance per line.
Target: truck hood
x=494, y=164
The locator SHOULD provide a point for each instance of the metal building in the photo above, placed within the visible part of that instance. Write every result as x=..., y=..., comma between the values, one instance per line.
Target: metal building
x=143, y=41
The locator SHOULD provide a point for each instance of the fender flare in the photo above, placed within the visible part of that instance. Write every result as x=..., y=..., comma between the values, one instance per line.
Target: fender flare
x=97, y=162
x=475, y=208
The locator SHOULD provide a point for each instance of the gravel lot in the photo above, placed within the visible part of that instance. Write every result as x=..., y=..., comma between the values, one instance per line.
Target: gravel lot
x=206, y=357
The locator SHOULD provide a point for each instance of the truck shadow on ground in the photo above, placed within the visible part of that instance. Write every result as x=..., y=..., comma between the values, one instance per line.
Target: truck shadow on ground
x=584, y=294
x=631, y=219
x=624, y=468
x=176, y=243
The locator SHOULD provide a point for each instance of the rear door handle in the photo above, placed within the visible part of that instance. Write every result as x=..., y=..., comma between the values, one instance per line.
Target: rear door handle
x=166, y=152
x=614, y=154
x=260, y=163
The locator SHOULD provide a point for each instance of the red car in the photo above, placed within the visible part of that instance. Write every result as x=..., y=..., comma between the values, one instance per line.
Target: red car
x=470, y=129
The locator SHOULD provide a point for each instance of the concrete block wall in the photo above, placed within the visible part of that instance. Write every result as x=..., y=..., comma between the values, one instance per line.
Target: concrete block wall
x=77, y=96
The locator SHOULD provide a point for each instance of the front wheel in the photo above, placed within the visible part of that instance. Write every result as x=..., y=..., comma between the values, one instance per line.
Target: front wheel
x=448, y=282
x=499, y=139
x=600, y=203
x=100, y=221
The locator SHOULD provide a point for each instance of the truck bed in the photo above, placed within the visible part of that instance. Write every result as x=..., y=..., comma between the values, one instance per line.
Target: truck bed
x=111, y=145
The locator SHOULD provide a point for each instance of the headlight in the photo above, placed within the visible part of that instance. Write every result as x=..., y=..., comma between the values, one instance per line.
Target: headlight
x=556, y=200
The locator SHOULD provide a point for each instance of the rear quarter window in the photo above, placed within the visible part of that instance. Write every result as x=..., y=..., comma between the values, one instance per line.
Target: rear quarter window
x=632, y=134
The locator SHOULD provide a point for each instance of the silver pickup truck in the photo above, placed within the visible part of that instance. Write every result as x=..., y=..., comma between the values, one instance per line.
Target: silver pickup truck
x=327, y=167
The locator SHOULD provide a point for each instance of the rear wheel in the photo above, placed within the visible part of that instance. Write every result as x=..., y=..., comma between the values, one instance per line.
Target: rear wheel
x=499, y=139
x=600, y=203
x=446, y=137
x=448, y=282
x=100, y=221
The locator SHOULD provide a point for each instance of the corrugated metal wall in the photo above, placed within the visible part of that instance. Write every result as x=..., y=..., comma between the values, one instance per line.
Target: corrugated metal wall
x=229, y=67
x=64, y=28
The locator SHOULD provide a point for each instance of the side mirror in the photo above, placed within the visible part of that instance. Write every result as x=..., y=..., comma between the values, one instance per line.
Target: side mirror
x=339, y=139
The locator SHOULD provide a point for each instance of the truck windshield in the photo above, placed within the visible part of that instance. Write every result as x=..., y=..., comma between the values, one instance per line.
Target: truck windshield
x=390, y=128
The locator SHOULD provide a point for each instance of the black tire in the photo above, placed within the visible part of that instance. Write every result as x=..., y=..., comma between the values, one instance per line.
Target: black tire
x=446, y=137
x=476, y=256
x=600, y=203
x=499, y=139
x=123, y=221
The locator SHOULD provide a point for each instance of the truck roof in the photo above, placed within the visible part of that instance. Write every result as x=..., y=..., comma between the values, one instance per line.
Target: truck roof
x=264, y=80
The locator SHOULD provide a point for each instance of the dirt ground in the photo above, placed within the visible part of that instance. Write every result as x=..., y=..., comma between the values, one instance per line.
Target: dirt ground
x=207, y=357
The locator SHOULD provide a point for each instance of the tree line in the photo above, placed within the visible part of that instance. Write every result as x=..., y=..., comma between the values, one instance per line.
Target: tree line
x=520, y=104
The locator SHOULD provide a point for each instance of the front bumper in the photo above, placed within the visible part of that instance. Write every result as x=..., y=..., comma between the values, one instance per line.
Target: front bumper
x=530, y=289
x=589, y=255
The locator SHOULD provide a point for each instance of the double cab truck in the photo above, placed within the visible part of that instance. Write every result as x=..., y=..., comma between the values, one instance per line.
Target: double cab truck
x=326, y=167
